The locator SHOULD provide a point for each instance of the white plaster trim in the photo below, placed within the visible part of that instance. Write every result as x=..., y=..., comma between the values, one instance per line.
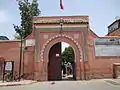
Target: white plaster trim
x=64, y=26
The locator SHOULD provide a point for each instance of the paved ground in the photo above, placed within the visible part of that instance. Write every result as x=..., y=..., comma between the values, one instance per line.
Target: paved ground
x=16, y=83
x=106, y=84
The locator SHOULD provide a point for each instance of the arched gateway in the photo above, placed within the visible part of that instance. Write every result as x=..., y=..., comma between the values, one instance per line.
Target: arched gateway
x=51, y=42
x=48, y=31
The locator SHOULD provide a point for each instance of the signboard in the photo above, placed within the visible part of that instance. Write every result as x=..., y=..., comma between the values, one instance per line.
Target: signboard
x=8, y=66
x=107, y=46
x=8, y=70
x=30, y=42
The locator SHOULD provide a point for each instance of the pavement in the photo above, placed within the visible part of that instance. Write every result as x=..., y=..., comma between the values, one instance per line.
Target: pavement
x=67, y=77
x=95, y=84
x=113, y=81
x=16, y=83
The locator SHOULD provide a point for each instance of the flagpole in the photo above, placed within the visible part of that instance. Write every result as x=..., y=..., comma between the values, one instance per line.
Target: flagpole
x=61, y=5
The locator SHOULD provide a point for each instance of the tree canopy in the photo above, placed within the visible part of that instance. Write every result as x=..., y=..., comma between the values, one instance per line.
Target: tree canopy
x=68, y=55
x=27, y=11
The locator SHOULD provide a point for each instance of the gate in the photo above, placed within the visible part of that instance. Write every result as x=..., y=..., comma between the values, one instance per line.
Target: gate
x=54, y=65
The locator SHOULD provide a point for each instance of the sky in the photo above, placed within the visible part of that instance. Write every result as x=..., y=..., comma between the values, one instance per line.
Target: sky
x=101, y=13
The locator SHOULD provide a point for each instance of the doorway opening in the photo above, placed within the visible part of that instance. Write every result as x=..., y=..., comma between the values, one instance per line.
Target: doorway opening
x=61, y=65
x=116, y=70
x=1, y=67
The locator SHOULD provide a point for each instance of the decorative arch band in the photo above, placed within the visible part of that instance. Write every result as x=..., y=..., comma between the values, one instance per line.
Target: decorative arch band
x=58, y=36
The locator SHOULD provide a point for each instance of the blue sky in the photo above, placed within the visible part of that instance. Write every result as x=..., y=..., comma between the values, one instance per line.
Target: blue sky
x=101, y=13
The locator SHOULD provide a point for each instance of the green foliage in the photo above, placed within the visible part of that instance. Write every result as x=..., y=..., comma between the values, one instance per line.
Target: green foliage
x=16, y=36
x=68, y=55
x=27, y=11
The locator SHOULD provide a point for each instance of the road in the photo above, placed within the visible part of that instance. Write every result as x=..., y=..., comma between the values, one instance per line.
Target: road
x=68, y=85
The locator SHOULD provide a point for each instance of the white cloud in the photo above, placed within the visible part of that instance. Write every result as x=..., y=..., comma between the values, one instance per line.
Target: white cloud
x=4, y=17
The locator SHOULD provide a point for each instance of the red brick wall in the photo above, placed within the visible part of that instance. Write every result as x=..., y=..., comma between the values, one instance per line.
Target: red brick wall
x=100, y=66
x=41, y=71
x=29, y=59
x=97, y=67
x=115, y=33
x=10, y=50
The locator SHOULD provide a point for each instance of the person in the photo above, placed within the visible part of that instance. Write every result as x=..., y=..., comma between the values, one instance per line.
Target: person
x=64, y=70
x=68, y=68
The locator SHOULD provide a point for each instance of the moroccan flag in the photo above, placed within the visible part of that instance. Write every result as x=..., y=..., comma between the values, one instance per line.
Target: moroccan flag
x=61, y=5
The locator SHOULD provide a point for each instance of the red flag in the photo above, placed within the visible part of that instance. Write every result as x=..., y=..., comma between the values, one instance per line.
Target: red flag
x=61, y=5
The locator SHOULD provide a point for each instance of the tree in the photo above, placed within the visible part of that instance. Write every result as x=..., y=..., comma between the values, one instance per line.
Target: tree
x=68, y=55
x=17, y=36
x=27, y=11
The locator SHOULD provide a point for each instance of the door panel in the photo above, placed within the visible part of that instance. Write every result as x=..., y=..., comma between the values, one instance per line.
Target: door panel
x=54, y=65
